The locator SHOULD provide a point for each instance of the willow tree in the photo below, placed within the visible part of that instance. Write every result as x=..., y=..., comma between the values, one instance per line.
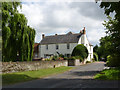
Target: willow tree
x=18, y=38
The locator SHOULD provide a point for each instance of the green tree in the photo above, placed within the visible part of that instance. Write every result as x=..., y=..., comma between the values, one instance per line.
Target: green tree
x=105, y=47
x=80, y=51
x=95, y=49
x=18, y=38
x=113, y=25
x=111, y=43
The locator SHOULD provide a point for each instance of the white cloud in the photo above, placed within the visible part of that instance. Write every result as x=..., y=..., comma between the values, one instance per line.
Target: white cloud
x=60, y=17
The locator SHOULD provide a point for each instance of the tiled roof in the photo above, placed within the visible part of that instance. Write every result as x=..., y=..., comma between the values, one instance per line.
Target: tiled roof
x=66, y=38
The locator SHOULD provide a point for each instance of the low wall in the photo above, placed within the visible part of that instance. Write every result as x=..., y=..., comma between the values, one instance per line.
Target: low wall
x=9, y=67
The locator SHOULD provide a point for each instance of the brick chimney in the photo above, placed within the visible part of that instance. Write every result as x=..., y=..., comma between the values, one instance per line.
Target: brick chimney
x=84, y=31
x=43, y=36
x=81, y=31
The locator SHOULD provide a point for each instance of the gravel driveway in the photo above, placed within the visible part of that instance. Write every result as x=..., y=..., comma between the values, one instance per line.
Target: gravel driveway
x=80, y=77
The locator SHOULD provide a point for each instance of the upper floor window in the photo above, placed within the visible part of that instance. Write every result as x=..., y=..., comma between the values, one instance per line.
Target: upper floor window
x=57, y=47
x=68, y=46
x=47, y=47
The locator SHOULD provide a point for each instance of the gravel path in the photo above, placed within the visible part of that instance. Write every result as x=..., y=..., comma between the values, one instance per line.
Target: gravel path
x=80, y=77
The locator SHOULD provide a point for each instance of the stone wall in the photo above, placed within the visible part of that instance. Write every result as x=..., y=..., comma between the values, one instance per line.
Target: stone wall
x=8, y=67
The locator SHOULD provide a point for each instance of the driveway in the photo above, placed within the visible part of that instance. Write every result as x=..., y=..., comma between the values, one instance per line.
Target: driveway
x=80, y=77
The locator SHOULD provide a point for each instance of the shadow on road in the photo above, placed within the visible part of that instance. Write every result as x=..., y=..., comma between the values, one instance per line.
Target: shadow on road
x=85, y=73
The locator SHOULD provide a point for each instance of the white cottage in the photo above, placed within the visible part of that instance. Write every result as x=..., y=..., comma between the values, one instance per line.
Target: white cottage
x=64, y=44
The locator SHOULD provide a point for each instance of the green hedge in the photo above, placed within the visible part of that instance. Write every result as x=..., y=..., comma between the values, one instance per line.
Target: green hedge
x=113, y=61
x=95, y=56
x=80, y=51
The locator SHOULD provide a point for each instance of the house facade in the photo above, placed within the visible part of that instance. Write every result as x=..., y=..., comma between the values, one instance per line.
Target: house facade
x=64, y=44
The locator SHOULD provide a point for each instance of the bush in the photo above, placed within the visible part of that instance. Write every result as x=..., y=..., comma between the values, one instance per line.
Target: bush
x=71, y=58
x=55, y=58
x=80, y=51
x=88, y=62
x=95, y=56
x=93, y=59
x=113, y=61
x=47, y=59
x=61, y=55
x=65, y=58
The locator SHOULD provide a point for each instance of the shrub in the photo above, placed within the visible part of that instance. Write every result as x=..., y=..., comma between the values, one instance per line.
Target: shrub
x=55, y=58
x=80, y=51
x=113, y=61
x=71, y=58
x=88, y=62
x=95, y=56
x=65, y=58
x=47, y=59
x=61, y=55
x=93, y=59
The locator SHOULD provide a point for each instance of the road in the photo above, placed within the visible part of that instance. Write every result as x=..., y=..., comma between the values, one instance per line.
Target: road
x=80, y=77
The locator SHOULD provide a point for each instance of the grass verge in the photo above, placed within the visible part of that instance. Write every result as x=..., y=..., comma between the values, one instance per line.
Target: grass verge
x=110, y=74
x=17, y=77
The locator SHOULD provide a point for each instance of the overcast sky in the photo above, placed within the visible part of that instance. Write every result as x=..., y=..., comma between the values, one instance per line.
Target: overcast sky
x=61, y=17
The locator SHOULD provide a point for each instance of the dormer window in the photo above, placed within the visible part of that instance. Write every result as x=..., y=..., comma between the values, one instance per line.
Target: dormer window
x=57, y=47
x=68, y=46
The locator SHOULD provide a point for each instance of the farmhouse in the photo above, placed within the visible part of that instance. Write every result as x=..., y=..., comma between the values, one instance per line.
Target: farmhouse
x=64, y=44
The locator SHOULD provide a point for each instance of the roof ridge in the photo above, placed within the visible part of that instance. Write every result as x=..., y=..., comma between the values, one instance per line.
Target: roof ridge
x=62, y=34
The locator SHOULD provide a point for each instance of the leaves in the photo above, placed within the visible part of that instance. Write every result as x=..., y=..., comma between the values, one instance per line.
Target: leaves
x=18, y=38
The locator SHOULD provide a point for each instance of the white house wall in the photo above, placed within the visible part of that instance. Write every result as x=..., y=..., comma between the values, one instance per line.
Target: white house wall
x=83, y=40
x=52, y=49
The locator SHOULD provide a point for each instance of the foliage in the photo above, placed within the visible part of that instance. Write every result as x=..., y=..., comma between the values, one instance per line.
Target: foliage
x=110, y=74
x=95, y=56
x=30, y=75
x=61, y=55
x=18, y=38
x=55, y=57
x=111, y=44
x=80, y=51
x=65, y=58
x=113, y=61
x=95, y=48
x=113, y=25
x=88, y=61
x=71, y=58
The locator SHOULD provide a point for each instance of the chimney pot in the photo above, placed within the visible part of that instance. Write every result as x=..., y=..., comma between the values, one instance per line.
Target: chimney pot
x=80, y=31
x=84, y=31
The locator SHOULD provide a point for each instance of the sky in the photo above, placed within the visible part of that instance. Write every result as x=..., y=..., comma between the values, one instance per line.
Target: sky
x=50, y=18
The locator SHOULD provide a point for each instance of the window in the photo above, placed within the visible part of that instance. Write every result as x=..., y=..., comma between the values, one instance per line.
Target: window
x=57, y=46
x=47, y=47
x=68, y=46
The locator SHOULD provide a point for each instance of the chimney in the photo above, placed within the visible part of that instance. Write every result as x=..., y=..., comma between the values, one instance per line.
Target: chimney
x=84, y=31
x=81, y=31
x=55, y=34
x=43, y=36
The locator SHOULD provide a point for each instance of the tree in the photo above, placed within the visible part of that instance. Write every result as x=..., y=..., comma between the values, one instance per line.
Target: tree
x=113, y=25
x=18, y=38
x=80, y=51
x=95, y=48
x=111, y=43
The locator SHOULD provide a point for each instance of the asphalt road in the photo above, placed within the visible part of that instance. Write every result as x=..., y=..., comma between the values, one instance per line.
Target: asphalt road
x=80, y=77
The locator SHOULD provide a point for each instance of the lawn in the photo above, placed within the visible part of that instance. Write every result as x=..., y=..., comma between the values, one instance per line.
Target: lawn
x=110, y=74
x=17, y=77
